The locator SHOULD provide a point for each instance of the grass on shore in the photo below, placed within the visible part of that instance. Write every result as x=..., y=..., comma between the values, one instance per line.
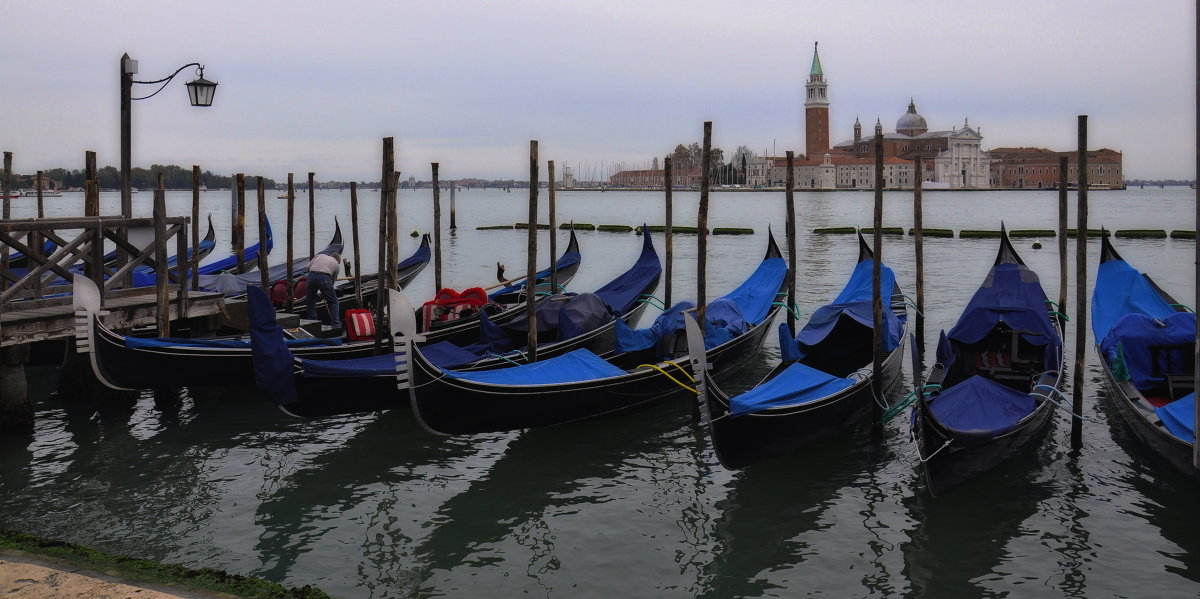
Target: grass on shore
x=151, y=571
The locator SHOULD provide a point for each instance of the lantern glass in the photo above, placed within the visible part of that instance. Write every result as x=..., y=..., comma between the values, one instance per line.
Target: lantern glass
x=201, y=91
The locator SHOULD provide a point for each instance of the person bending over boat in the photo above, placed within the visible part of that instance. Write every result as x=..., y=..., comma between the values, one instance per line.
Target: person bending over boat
x=322, y=271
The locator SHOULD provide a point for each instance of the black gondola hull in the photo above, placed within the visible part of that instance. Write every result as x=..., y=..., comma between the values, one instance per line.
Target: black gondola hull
x=452, y=406
x=1158, y=440
x=745, y=440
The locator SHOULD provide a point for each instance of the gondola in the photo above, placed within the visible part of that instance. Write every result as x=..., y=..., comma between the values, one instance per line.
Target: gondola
x=580, y=384
x=406, y=271
x=1146, y=342
x=992, y=390
x=249, y=256
x=823, y=382
x=565, y=322
x=122, y=362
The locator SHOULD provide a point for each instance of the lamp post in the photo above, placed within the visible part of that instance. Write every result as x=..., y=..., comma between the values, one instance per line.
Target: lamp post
x=200, y=92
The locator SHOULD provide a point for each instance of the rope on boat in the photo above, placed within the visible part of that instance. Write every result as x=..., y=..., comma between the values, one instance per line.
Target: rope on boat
x=903, y=404
x=793, y=309
x=668, y=375
x=507, y=359
x=1185, y=307
x=936, y=451
x=1056, y=404
x=1057, y=313
x=646, y=297
x=912, y=304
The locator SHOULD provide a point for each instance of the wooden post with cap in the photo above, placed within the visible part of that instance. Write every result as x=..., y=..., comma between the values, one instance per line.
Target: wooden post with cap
x=531, y=255
x=1081, y=297
x=877, y=297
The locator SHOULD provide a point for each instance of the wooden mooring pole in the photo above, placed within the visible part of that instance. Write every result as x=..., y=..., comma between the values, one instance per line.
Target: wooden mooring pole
x=877, y=297
x=358, y=297
x=790, y=231
x=385, y=182
x=1081, y=297
x=162, y=307
x=453, y=222
x=239, y=224
x=702, y=225
x=5, y=189
x=290, y=302
x=262, y=238
x=1196, y=362
x=312, y=217
x=91, y=207
x=531, y=252
x=669, y=233
x=437, y=230
x=38, y=241
x=553, y=231
x=393, y=231
x=1063, y=184
x=195, y=261
x=919, y=244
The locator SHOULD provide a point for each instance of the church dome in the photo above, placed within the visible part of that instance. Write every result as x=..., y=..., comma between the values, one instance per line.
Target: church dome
x=911, y=123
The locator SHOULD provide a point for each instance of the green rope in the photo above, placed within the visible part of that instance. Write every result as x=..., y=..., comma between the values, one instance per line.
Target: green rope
x=794, y=310
x=898, y=408
x=661, y=305
x=1064, y=316
x=1182, y=306
x=506, y=359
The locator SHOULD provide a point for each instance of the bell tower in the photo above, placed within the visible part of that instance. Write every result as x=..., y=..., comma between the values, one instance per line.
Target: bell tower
x=816, y=110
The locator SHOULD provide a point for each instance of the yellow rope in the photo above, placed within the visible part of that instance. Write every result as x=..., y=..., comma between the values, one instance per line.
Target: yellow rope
x=668, y=375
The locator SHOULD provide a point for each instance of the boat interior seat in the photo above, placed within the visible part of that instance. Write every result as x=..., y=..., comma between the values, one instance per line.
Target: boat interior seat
x=1175, y=364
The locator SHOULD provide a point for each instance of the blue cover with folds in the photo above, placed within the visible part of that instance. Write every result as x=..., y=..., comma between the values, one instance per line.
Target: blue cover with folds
x=980, y=404
x=155, y=342
x=797, y=384
x=728, y=316
x=1136, y=333
x=1120, y=290
x=621, y=293
x=1012, y=294
x=855, y=302
x=635, y=340
x=1179, y=417
x=273, y=364
x=578, y=365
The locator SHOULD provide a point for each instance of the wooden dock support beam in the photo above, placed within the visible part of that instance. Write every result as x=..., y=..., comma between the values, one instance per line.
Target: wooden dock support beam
x=312, y=218
x=16, y=411
x=453, y=222
x=195, y=261
x=437, y=230
x=290, y=302
x=162, y=306
x=358, y=297
x=385, y=182
x=239, y=224
x=553, y=229
x=262, y=238
x=919, y=244
x=790, y=232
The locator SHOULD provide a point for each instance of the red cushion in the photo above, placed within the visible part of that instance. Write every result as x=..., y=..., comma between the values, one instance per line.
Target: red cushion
x=360, y=326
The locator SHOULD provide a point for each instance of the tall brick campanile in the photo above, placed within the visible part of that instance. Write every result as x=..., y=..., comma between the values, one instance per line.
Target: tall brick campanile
x=816, y=110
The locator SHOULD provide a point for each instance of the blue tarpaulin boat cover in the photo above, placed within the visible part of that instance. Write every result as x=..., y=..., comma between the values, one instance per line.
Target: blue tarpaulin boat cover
x=855, y=302
x=578, y=365
x=622, y=293
x=1137, y=333
x=1011, y=294
x=273, y=363
x=979, y=405
x=249, y=255
x=797, y=384
x=728, y=316
x=1120, y=290
x=1179, y=417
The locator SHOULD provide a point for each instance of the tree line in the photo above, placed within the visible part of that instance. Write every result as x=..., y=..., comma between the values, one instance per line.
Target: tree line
x=174, y=177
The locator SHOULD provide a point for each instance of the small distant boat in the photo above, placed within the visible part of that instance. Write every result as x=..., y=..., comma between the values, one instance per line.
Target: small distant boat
x=282, y=196
x=46, y=193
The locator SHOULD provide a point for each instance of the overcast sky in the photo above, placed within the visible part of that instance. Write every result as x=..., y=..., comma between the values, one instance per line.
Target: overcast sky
x=308, y=86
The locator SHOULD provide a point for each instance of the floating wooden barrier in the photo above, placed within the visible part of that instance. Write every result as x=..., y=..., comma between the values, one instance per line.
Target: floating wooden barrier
x=976, y=234
x=493, y=227
x=663, y=229
x=578, y=226
x=935, y=232
x=1031, y=233
x=732, y=231
x=526, y=226
x=1090, y=232
x=851, y=230
x=1142, y=234
x=615, y=228
x=1181, y=234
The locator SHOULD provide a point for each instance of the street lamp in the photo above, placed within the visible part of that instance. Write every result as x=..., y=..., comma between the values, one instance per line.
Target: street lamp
x=200, y=92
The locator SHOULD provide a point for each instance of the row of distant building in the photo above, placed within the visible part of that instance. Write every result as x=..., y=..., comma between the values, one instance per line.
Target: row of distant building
x=951, y=159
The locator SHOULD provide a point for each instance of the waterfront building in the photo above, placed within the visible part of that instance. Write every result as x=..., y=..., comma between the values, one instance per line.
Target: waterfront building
x=1037, y=168
x=653, y=178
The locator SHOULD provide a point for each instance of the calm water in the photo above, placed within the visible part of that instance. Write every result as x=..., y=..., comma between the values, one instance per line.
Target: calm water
x=372, y=506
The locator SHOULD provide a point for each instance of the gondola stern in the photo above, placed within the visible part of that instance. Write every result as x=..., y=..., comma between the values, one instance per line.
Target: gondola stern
x=1108, y=253
x=864, y=249
x=1007, y=254
x=773, y=250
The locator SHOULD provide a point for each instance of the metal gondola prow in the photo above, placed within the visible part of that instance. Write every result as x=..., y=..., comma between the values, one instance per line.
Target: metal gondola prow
x=1007, y=253
x=699, y=361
